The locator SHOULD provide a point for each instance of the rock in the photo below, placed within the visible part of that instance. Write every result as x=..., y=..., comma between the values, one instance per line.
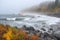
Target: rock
x=43, y=29
x=50, y=29
x=24, y=26
x=57, y=34
x=46, y=36
x=37, y=31
x=29, y=28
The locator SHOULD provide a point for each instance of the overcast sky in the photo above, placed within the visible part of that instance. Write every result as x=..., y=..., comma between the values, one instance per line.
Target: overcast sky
x=14, y=6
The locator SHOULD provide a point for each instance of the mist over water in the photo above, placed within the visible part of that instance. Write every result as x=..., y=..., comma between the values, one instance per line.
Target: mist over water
x=15, y=6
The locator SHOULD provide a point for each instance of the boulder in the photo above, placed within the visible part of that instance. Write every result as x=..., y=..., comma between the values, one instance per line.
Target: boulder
x=57, y=34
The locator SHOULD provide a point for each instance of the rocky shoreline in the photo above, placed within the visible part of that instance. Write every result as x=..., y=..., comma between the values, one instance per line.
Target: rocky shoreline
x=31, y=32
x=42, y=36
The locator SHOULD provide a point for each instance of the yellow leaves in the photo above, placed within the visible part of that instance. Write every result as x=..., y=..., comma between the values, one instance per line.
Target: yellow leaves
x=7, y=35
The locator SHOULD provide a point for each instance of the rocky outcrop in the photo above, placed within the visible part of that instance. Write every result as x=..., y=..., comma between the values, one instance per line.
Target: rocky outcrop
x=42, y=36
x=56, y=30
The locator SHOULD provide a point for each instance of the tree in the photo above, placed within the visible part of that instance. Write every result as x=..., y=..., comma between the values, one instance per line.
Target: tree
x=57, y=2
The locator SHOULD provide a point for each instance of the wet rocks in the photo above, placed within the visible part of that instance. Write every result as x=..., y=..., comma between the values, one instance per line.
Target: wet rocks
x=57, y=34
x=56, y=30
x=43, y=29
x=28, y=28
x=46, y=36
x=42, y=36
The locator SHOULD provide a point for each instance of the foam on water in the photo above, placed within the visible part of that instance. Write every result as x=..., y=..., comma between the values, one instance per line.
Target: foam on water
x=37, y=21
x=38, y=17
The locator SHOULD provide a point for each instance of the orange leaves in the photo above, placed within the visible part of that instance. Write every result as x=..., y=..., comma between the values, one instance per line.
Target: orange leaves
x=26, y=36
x=22, y=35
x=2, y=28
x=34, y=37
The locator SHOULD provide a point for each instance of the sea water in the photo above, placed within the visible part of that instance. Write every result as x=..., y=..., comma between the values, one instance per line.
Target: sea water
x=37, y=21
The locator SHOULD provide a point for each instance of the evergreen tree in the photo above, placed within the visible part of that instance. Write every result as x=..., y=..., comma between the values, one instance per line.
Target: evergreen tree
x=56, y=2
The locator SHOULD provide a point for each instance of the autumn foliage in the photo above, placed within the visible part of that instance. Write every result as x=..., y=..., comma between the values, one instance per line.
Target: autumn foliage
x=11, y=33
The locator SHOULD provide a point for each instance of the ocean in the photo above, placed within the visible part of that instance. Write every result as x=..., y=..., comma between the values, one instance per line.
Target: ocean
x=35, y=21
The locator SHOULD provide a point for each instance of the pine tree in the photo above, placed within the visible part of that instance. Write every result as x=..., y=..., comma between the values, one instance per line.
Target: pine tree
x=56, y=2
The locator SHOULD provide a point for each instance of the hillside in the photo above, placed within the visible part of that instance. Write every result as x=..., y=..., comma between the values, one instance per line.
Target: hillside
x=47, y=7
